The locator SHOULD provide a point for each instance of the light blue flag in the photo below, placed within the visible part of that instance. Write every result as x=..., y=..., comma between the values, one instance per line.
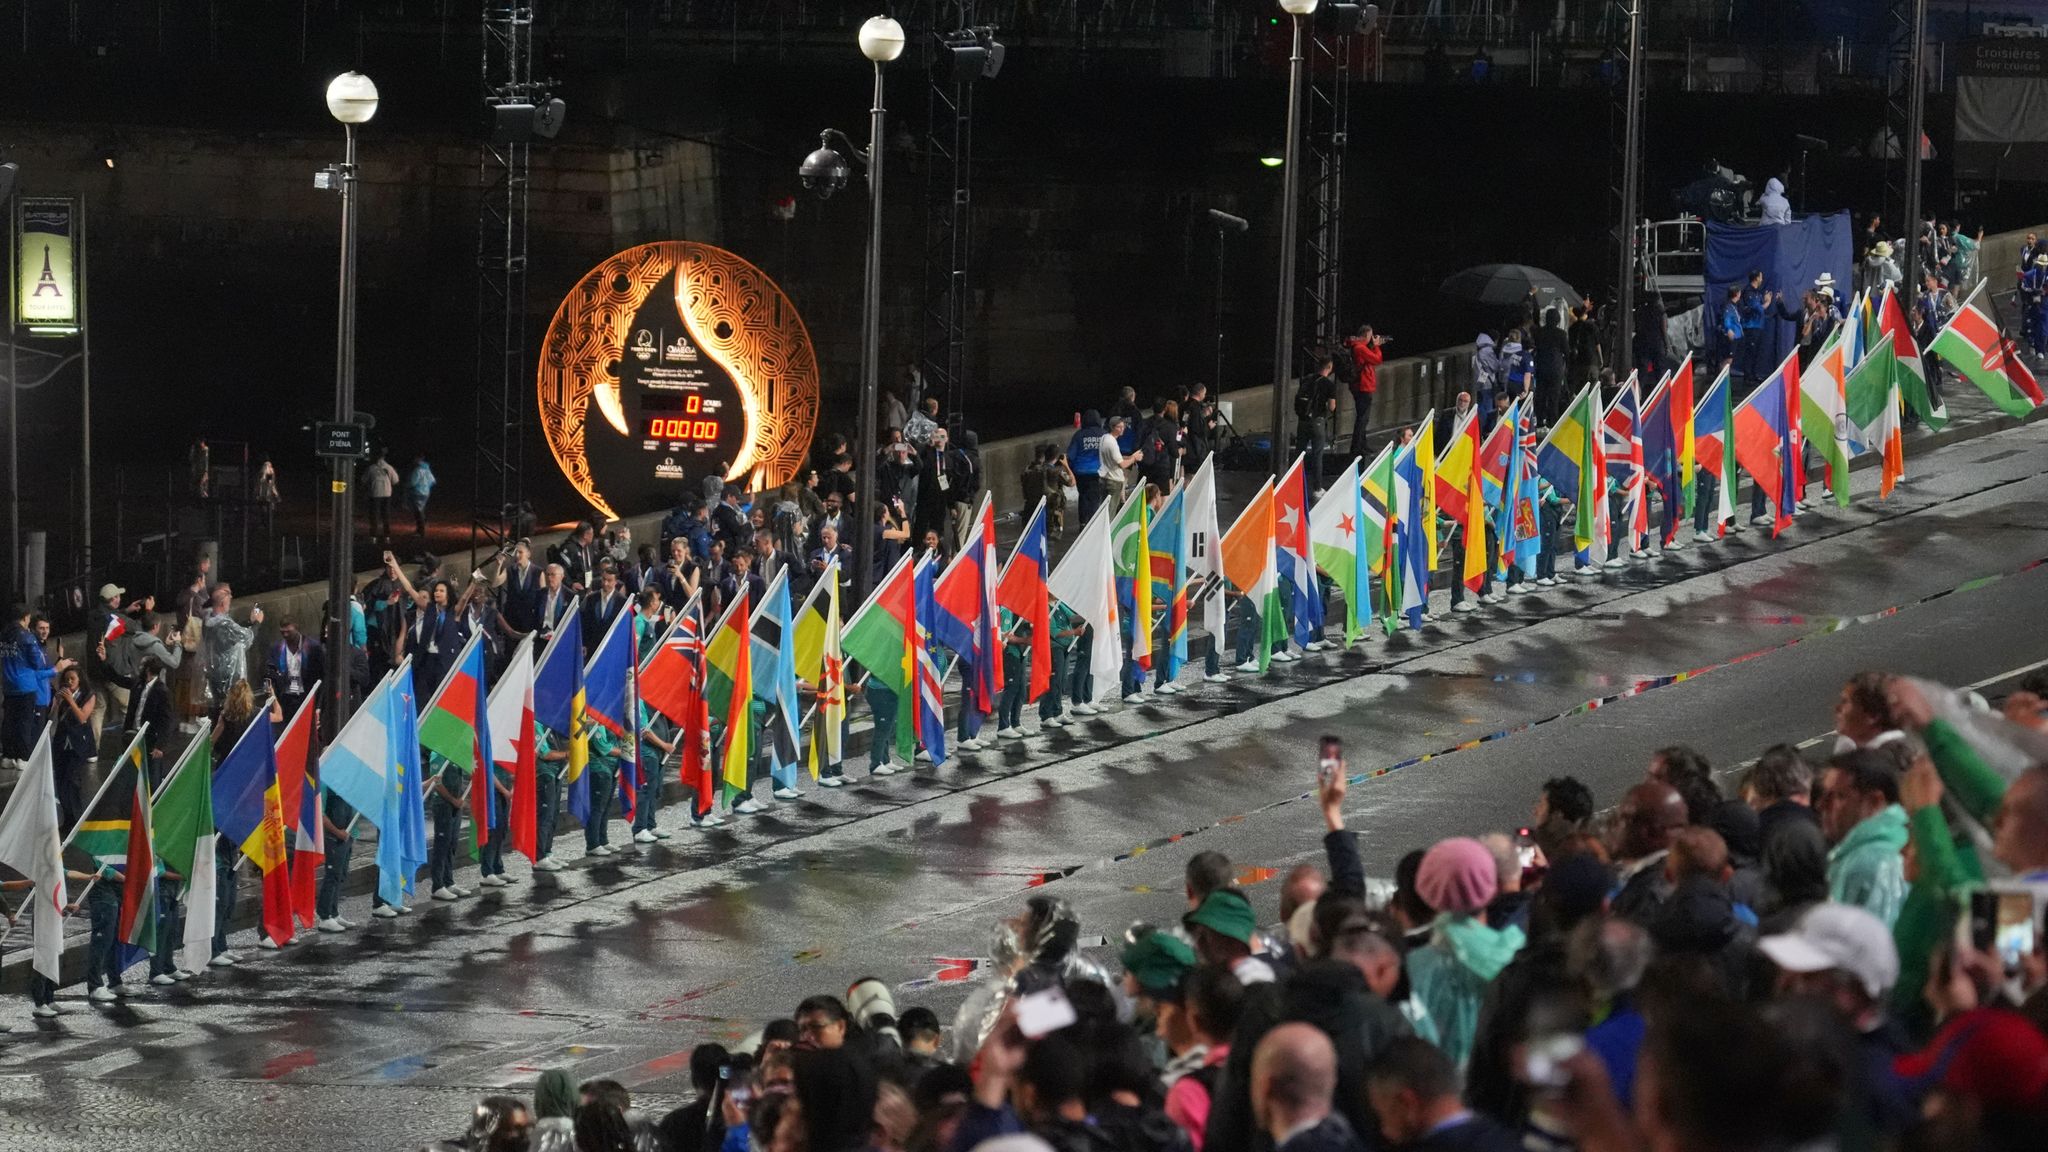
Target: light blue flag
x=774, y=643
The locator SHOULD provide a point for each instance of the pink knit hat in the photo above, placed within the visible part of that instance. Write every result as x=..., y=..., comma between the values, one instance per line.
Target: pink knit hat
x=1458, y=875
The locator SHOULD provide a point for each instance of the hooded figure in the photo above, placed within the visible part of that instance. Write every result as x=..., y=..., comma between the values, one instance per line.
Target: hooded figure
x=554, y=1112
x=1451, y=973
x=1038, y=948
x=1485, y=370
x=1777, y=209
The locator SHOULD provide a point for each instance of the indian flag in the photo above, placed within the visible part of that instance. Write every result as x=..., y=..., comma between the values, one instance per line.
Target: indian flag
x=1823, y=412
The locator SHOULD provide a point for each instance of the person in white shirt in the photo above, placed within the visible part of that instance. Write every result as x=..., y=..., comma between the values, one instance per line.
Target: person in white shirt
x=379, y=479
x=1113, y=463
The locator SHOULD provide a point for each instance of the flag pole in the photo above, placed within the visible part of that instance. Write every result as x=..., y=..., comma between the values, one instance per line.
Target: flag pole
x=104, y=785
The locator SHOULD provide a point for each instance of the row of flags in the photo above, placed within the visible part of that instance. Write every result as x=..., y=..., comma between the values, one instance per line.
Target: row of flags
x=1135, y=576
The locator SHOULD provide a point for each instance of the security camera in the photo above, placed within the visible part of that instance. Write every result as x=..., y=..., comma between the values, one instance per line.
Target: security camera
x=824, y=172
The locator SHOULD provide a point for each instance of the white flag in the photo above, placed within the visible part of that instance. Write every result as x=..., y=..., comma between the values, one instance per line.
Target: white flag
x=29, y=844
x=1085, y=581
x=1202, y=544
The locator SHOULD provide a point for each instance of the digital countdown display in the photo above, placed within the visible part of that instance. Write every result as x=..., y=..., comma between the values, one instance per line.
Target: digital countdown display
x=670, y=362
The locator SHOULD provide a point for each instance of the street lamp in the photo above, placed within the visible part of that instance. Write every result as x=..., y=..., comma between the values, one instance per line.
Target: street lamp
x=1290, y=197
x=352, y=99
x=825, y=171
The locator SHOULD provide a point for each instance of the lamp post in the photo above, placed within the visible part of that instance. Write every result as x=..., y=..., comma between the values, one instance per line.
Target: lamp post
x=1290, y=197
x=825, y=171
x=352, y=99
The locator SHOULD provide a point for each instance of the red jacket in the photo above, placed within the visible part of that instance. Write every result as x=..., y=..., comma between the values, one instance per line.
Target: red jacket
x=1368, y=356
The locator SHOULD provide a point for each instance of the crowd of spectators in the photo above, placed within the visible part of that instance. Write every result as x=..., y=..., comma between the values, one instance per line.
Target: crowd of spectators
x=1791, y=957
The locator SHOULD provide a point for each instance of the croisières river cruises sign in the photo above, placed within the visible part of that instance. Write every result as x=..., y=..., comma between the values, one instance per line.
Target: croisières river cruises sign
x=671, y=361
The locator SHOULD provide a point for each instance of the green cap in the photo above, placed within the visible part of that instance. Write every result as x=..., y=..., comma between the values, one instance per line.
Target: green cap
x=1158, y=960
x=1225, y=911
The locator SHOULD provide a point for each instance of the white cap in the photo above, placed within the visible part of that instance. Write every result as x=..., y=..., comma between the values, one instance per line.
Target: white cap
x=109, y=591
x=1838, y=936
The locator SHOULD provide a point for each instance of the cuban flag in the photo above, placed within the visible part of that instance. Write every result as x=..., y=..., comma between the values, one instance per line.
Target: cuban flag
x=1290, y=540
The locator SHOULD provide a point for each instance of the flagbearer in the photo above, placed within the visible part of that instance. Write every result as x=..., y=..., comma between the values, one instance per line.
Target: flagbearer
x=657, y=741
x=604, y=789
x=1066, y=629
x=103, y=952
x=1016, y=642
x=549, y=764
x=491, y=854
x=336, y=815
x=444, y=807
x=882, y=737
x=170, y=931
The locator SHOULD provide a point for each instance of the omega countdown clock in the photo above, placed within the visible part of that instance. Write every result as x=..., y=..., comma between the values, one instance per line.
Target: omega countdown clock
x=669, y=362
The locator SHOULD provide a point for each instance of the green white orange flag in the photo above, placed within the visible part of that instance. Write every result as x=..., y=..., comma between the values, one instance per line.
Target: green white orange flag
x=1874, y=404
x=1973, y=343
x=1823, y=411
x=1249, y=564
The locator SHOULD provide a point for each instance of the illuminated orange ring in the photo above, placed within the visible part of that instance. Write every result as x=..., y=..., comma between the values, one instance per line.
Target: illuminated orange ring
x=766, y=350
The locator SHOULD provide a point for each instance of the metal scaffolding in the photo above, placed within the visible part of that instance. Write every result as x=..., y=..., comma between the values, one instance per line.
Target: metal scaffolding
x=948, y=216
x=1332, y=56
x=1625, y=114
x=503, y=384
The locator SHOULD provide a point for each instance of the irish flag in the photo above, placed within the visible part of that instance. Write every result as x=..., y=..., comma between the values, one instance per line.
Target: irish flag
x=1249, y=563
x=1874, y=409
x=1974, y=345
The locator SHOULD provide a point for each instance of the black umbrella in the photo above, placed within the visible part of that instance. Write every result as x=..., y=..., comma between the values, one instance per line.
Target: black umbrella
x=1507, y=285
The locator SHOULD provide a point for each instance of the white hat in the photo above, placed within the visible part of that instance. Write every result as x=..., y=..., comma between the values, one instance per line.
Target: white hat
x=1838, y=936
x=1883, y=248
x=2042, y=260
x=1826, y=280
x=109, y=591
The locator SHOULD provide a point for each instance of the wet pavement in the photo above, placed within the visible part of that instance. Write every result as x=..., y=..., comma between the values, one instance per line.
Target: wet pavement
x=380, y=1038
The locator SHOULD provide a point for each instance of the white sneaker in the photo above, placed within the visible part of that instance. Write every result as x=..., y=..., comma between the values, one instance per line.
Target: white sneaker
x=1248, y=666
x=971, y=744
x=1615, y=562
x=547, y=864
x=1060, y=721
x=163, y=979
x=643, y=836
x=1763, y=521
x=885, y=768
x=387, y=912
x=490, y=882
x=1639, y=554
x=1464, y=606
x=329, y=925
x=344, y=921
x=831, y=781
x=101, y=995
x=44, y=1011
x=181, y=975
x=405, y=909
x=459, y=890
x=446, y=895
x=923, y=754
x=1522, y=589
x=1086, y=709
x=224, y=960
x=1218, y=677
x=660, y=835
x=747, y=807
x=1011, y=733
x=1170, y=688
x=712, y=820
x=1315, y=645
x=1497, y=596
x=1676, y=545
x=266, y=943
x=1546, y=581
x=1134, y=697
x=1285, y=656
x=603, y=850
x=787, y=794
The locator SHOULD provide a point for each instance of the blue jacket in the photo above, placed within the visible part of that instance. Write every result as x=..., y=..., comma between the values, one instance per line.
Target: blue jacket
x=1084, y=451
x=24, y=668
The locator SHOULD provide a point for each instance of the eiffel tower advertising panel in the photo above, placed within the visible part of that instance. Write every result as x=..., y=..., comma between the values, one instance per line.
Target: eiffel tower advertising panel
x=46, y=273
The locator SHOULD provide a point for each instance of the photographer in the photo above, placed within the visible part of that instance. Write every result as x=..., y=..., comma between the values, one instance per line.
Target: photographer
x=1367, y=351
